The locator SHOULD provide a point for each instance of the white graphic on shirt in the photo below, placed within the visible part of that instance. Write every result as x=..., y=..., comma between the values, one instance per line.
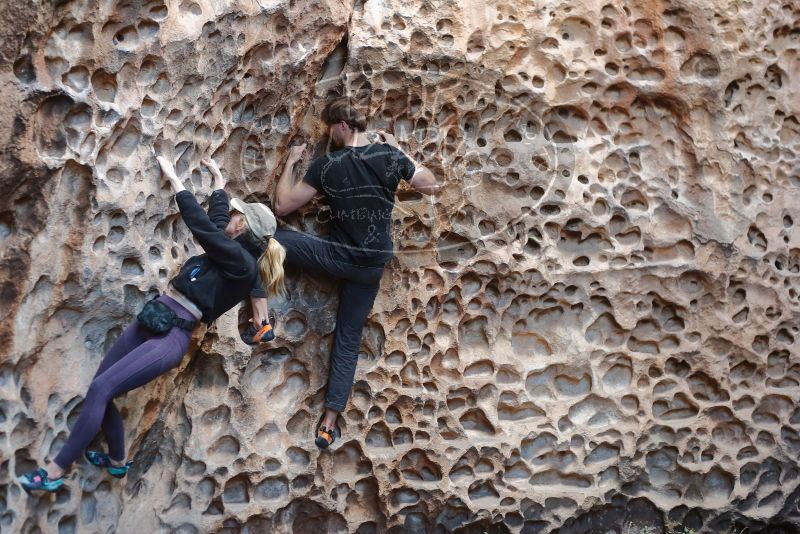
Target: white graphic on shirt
x=371, y=234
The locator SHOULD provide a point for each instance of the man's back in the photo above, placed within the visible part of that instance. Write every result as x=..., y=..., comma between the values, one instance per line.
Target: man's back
x=359, y=183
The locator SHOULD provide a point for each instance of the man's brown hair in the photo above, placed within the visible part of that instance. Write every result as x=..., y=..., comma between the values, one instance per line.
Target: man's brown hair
x=347, y=110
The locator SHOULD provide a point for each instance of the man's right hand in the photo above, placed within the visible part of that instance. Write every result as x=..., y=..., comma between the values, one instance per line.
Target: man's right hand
x=388, y=138
x=295, y=153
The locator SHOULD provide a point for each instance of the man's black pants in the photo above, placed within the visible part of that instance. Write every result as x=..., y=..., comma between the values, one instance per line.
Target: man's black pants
x=357, y=290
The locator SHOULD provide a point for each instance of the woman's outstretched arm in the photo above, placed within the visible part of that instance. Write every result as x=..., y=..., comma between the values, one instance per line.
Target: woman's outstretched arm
x=218, y=205
x=226, y=253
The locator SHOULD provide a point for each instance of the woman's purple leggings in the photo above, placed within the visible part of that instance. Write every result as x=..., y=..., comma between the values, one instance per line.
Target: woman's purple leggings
x=137, y=357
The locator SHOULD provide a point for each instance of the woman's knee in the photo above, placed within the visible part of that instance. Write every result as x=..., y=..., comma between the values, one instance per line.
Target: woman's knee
x=178, y=349
x=98, y=392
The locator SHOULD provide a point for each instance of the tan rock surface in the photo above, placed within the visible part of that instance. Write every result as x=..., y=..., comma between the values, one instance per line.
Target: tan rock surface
x=594, y=324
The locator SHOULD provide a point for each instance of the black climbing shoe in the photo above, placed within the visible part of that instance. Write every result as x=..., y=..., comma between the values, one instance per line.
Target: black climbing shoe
x=326, y=436
x=253, y=336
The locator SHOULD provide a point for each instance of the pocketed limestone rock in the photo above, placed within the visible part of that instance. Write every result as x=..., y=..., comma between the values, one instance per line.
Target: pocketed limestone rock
x=591, y=328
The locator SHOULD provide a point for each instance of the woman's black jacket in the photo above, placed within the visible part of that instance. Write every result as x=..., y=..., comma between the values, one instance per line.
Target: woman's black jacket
x=227, y=273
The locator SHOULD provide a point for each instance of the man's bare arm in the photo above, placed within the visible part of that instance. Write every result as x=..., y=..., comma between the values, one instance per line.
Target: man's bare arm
x=423, y=181
x=288, y=196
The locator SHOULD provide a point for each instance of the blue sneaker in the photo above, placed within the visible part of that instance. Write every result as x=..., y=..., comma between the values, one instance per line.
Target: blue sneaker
x=101, y=459
x=39, y=481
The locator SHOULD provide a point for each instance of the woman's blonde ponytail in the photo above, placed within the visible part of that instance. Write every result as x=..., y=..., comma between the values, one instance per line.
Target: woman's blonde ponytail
x=270, y=265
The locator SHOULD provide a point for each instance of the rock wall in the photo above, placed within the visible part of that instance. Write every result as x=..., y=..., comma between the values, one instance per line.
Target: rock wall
x=592, y=328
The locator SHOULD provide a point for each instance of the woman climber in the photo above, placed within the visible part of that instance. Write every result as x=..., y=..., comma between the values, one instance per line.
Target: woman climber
x=232, y=234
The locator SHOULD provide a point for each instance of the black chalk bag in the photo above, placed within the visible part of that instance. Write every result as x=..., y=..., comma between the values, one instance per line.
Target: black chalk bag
x=159, y=318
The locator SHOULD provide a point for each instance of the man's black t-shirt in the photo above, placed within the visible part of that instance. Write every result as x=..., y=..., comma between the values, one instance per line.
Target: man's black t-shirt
x=359, y=184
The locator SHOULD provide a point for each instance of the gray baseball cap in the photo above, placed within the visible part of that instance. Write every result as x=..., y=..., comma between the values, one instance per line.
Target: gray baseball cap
x=260, y=219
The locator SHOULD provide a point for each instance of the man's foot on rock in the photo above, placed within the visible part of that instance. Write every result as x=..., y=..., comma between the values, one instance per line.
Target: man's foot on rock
x=326, y=436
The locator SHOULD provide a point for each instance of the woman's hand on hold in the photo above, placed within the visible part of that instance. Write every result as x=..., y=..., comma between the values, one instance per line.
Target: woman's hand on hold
x=295, y=154
x=168, y=170
x=216, y=173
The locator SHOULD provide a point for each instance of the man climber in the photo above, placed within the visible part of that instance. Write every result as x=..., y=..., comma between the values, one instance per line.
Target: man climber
x=358, y=180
